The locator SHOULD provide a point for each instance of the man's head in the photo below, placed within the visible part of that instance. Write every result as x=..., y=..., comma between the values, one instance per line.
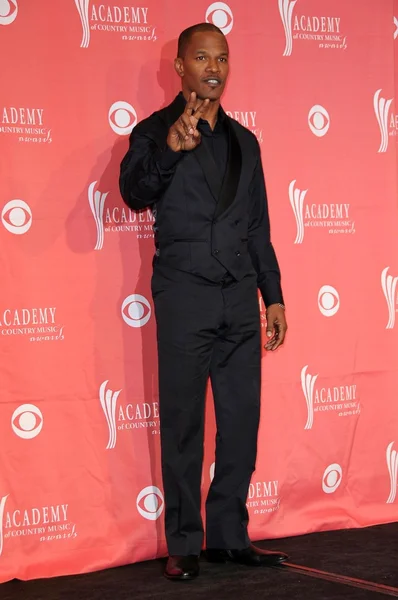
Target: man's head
x=202, y=61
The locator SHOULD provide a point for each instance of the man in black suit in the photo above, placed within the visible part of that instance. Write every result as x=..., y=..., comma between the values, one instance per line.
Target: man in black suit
x=201, y=173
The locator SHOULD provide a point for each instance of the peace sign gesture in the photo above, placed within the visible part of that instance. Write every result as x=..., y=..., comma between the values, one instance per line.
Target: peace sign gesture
x=183, y=134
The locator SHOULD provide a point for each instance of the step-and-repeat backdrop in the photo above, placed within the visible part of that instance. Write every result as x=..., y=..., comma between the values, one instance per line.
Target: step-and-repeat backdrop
x=80, y=479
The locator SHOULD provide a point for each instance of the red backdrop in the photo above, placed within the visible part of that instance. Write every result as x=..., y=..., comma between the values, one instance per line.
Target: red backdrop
x=80, y=483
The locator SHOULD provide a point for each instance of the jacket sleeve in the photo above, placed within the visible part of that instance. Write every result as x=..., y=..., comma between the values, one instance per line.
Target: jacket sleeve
x=259, y=240
x=146, y=170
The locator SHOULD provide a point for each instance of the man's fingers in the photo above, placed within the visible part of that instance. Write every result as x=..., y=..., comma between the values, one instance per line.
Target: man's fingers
x=270, y=331
x=190, y=105
x=190, y=116
x=272, y=341
x=278, y=339
x=201, y=109
x=278, y=342
x=188, y=142
x=276, y=332
x=187, y=124
x=276, y=345
x=181, y=131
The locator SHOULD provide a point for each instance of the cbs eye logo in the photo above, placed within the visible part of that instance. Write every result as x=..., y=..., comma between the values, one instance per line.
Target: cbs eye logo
x=220, y=15
x=332, y=478
x=150, y=503
x=122, y=117
x=319, y=120
x=328, y=301
x=134, y=308
x=8, y=11
x=16, y=216
x=27, y=421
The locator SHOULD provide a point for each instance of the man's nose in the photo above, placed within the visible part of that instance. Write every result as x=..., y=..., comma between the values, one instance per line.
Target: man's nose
x=213, y=66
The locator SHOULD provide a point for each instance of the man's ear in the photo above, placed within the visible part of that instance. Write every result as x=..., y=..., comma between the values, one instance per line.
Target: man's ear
x=179, y=67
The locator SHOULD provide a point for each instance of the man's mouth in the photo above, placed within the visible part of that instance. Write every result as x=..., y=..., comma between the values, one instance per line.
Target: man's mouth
x=212, y=81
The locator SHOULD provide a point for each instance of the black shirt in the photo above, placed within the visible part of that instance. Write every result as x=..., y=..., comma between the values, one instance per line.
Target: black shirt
x=216, y=141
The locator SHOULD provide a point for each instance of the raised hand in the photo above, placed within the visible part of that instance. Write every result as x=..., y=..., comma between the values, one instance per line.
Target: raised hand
x=183, y=134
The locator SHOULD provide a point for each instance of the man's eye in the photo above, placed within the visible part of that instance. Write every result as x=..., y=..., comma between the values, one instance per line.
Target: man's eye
x=199, y=57
x=223, y=59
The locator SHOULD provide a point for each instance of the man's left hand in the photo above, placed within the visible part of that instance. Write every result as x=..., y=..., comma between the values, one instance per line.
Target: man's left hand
x=276, y=326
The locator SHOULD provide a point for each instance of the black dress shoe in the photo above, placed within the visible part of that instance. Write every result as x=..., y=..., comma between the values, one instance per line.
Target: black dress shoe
x=251, y=556
x=182, y=568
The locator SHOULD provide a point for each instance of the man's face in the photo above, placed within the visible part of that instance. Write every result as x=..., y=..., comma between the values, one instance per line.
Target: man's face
x=204, y=68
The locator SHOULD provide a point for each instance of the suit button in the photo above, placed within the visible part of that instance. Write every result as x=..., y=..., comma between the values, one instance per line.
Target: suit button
x=216, y=252
x=237, y=253
x=237, y=221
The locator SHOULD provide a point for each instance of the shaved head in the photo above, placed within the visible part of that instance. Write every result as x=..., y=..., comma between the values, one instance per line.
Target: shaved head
x=186, y=36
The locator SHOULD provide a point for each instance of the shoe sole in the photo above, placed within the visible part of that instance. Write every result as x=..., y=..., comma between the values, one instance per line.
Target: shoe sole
x=180, y=577
x=237, y=562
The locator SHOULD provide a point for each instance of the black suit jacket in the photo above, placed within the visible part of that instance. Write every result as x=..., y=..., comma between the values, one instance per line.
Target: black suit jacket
x=203, y=225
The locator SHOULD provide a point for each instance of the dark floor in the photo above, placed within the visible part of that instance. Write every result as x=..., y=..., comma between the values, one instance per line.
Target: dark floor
x=367, y=554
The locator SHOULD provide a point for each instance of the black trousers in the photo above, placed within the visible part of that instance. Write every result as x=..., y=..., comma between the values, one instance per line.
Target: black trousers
x=204, y=330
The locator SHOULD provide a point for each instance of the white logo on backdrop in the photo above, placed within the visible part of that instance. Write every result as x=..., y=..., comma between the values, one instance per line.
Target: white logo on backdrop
x=328, y=300
x=323, y=30
x=297, y=198
x=339, y=399
x=130, y=21
x=389, y=285
x=82, y=7
x=332, y=478
x=286, y=11
x=97, y=202
x=332, y=218
x=153, y=503
x=221, y=16
x=396, y=28
x=319, y=120
x=308, y=384
x=108, y=400
x=43, y=521
x=124, y=117
x=3, y=501
x=8, y=11
x=19, y=219
x=135, y=316
x=381, y=107
x=392, y=464
x=212, y=471
x=27, y=421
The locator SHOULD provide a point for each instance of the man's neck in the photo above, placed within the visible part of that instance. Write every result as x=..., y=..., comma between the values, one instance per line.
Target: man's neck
x=211, y=113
